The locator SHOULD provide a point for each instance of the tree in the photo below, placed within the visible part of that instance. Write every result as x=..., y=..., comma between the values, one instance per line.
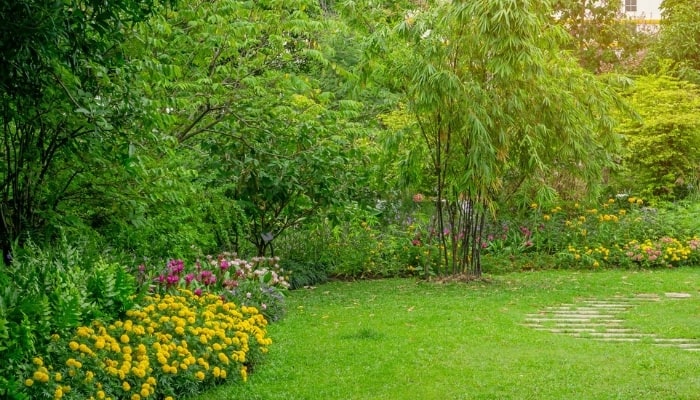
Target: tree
x=62, y=98
x=493, y=98
x=240, y=90
x=679, y=37
x=662, y=146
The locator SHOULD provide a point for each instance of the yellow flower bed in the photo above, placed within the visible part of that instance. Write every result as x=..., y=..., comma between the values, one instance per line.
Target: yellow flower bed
x=171, y=345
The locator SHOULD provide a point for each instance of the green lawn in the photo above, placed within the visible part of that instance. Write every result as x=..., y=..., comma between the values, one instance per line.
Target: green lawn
x=402, y=339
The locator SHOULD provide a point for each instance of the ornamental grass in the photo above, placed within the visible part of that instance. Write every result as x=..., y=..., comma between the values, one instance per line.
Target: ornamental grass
x=171, y=346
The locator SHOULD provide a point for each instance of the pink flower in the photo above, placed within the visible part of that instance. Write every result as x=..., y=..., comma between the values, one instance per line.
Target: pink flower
x=189, y=278
x=198, y=292
x=172, y=280
x=223, y=264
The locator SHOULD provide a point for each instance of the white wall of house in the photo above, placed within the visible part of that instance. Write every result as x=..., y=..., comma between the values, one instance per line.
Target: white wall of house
x=646, y=9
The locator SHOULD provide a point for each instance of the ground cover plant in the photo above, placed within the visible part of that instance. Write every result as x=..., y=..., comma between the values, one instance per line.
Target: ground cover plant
x=402, y=338
x=164, y=333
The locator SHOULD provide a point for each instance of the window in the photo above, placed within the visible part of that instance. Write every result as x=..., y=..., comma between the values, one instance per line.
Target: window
x=630, y=5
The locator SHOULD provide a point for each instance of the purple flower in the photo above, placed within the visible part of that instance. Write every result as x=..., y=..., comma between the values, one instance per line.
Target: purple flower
x=189, y=278
x=223, y=264
x=172, y=280
x=176, y=266
x=525, y=231
x=198, y=292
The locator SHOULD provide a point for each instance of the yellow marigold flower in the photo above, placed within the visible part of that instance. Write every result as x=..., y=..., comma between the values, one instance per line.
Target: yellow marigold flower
x=223, y=358
x=100, y=394
x=58, y=377
x=216, y=372
x=534, y=206
x=222, y=375
x=135, y=396
x=244, y=374
x=151, y=380
x=28, y=382
x=216, y=347
x=124, y=338
x=58, y=393
x=546, y=217
x=89, y=375
x=55, y=337
x=126, y=386
x=169, y=398
x=145, y=392
x=38, y=361
x=74, y=345
x=40, y=376
x=199, y=375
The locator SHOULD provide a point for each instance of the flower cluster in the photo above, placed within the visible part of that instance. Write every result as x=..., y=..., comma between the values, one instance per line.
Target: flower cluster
x=171, y=345
x=665, y=252
x=257, y=282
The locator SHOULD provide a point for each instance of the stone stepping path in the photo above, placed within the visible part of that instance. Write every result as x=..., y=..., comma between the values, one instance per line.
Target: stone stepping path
x=600, y=320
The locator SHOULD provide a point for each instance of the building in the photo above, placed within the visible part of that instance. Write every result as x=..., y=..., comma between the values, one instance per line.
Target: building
x=647, y=9
x=646, y=13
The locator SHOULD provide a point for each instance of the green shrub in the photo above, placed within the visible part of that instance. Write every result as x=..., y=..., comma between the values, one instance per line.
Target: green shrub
x=53, y=291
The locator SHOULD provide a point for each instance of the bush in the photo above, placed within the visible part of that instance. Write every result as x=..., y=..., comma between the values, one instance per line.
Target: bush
x=46, y=292
x=170, y=346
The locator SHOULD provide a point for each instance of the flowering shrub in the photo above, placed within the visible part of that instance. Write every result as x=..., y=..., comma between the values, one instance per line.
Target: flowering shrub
x=259, y=282
x=171, y=346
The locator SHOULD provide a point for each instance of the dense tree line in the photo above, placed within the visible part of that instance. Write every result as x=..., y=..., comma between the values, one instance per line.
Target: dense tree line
x=183, y=128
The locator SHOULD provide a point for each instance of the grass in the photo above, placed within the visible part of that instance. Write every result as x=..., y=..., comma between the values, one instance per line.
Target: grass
x=402, y=339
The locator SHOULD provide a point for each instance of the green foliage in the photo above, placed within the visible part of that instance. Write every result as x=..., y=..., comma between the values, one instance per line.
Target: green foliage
x=468, y=72
x=53, y=291
x=64, y=104
x=248, y=109
x=663, y=145
x=679, y=37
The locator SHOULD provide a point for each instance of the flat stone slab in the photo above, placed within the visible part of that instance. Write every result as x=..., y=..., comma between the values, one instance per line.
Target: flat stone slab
x=582, y=320
x=675, y=295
